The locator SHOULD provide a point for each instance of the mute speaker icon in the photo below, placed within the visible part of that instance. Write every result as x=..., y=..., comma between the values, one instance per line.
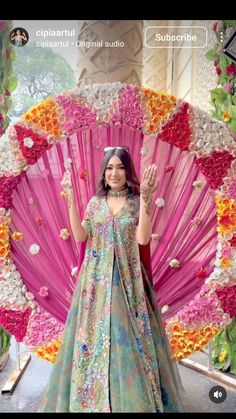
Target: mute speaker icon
x=217, y=394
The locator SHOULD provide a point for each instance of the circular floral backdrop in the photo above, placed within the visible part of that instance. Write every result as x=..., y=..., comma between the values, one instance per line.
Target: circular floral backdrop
x=163, y=118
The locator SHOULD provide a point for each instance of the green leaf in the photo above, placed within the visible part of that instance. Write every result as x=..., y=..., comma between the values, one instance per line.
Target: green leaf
x=229, y=23
x=233, y=363
x=224, y=61
x=233, y=347
x=219, y=95
x=234, y=99
x=224, y=79
x=214, y=114
x=232, y=126
x=216, y=352
x=232, y=333
x=12, y=55
x=6, y=122
x=212, y=55
x=232, y=111
x=12, y=84
x=222, y=365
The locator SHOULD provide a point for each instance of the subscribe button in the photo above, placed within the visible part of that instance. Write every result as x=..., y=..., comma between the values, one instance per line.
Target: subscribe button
x=175, y=37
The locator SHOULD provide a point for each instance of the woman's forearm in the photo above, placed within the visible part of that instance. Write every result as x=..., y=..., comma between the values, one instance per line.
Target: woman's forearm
x=147, y=188
x=79, y=232
x=144, y=229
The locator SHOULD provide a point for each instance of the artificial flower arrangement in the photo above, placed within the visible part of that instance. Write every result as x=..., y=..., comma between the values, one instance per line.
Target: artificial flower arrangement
x=223, y=97
x=170, y=120
x=8, y=84
x=214, y=149
x=224, y=349
x=223, y=101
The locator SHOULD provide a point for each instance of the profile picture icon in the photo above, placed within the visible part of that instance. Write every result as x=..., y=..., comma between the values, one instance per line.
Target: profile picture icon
x=19, y=37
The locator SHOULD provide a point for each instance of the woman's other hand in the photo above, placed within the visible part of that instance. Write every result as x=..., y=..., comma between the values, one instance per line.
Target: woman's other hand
x=67, y=184
x=149, y=182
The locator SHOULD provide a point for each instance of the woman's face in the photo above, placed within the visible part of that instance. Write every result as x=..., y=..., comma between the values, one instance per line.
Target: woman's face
x=115, y=175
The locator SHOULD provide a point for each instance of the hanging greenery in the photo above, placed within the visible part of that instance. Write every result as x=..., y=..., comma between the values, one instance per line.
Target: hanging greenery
x=8, y=81
x=223, y=97
x=224, y=349
x=223, y=101
x=8, y=84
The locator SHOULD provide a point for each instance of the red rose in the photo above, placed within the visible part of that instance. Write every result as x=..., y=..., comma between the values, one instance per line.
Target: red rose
x=231, y=69
x=233, y=241
x=214, y=27
x=169, y=169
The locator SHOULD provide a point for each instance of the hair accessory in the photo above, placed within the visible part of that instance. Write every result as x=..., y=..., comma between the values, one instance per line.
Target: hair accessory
x=118, y=194
x=124, y=147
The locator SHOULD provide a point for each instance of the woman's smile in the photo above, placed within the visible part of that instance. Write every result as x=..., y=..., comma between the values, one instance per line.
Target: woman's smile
x=115, y=175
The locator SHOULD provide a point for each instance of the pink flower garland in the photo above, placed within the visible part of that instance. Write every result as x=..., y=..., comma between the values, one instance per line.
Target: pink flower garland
x=42, y=329
x=75, y=112
x=75, y=115
x=204, y=309
x=129, y=111
x=230, y=187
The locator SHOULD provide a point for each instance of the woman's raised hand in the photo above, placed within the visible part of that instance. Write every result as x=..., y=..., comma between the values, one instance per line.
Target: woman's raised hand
x=67, y=184
x=149, y=181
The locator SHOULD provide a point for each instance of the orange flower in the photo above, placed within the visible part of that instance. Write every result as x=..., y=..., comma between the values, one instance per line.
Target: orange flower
x=181, y=346
x=226, y=116
x=187, y=352
x=17, y=236
x=207, y=329
x=4, y=230
x=203, y=342
x=176, y=327
x=197, y=347
x=215, y=330
x=190, y=345
x=2, y=244
x=3, y=252
x=180, y=355
x=8, y=254
x=225, y=262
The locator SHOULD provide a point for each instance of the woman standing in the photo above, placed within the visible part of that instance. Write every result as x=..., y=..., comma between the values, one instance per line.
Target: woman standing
x=114, y=355
x=19, y=38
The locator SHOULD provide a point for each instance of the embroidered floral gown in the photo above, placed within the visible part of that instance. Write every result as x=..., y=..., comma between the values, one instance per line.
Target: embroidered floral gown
x=114, y=356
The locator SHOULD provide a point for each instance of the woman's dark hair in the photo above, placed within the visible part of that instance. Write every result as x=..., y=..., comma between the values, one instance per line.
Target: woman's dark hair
x=131, y=177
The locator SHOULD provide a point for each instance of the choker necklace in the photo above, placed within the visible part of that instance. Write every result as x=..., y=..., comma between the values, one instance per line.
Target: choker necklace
x=118, y=194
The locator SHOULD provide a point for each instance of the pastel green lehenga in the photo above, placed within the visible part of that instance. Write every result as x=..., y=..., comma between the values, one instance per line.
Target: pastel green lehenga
x=114, y=355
